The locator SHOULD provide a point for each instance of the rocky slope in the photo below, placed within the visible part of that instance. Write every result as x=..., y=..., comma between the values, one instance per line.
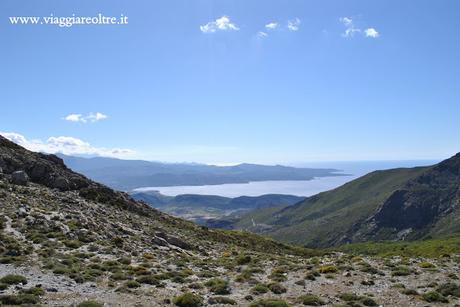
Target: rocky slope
x=428, y=204
x=68, y=241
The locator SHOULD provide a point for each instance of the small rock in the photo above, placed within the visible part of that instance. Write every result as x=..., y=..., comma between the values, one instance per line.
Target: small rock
x=51, y=290
x=346, y=274
x=22, y=212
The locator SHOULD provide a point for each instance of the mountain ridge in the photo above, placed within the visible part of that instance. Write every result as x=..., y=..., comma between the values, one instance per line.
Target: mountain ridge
x=130, y=174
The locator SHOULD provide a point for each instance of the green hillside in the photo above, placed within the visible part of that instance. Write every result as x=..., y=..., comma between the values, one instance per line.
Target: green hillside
x=327, y=218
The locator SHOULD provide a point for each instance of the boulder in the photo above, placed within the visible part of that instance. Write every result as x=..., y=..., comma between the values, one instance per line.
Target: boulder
x=61, y=183
x=20, y=178
x=174, y=241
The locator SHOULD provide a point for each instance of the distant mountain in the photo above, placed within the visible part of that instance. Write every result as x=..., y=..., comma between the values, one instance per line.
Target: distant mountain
x=158, y=200
x=398, y=204
x=202, y=208
x=130, y=174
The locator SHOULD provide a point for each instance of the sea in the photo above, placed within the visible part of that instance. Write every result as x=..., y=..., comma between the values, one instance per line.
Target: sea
x=348, y=171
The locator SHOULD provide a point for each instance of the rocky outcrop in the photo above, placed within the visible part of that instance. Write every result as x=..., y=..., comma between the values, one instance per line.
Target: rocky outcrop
x=40, y=168
x=22, y=166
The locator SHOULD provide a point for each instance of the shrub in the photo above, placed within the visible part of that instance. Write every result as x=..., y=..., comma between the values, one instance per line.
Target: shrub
x=20, y=299
x=218, y=286
x=401, y=271
x=260, y=289
x=449, y=289
x=311, y=300
x=196, y=286
x=13, y=279
x=37, y=291
x=90, y=304
x=148, y=279
x=426, y=265
x=278, y=274
x=367, y=301
x=221, y=300
x=269, y=303
x=409, y=292
x=188, y=299
x=132, y=284
x=434, y=296
x=243, y=259
x=327, y=269
x=277, y=288
x=348, y=297
x=73, y=244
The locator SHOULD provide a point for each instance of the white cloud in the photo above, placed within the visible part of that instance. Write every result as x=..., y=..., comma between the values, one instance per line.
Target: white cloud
x=91, y=117
x=293, y=24
x=67, y=145
x=221, y=24
x=371, y=32
x=271, y=26
x=262, y=34
x=95, y=117
x=350, y=27
x=74, y=117
x=347, y=21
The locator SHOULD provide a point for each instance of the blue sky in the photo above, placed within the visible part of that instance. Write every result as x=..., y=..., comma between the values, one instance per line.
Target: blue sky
x=182, y=83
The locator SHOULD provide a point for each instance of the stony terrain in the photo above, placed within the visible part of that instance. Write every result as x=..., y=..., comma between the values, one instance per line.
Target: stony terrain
x=67, y=241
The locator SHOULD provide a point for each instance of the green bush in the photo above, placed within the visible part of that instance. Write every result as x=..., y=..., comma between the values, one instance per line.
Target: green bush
x=221, y=300
x=218, y=286
x=367, y=301
x=278, y=274
x=13, y=279
x=349, y=297
x=277, y=288
x=426, y=265
x=409, y=292
x=37, y=291
x=325, y=269
x=148, y=279
x=132, y=284
x=269, y=303
x=401, y=271
x=20, y=299
x=311, y=300
x=434, y=296
x=188, y=299
x=90, y=304
x=73, y=244
x=260, y=289
x=243, y=259
x=449, y=289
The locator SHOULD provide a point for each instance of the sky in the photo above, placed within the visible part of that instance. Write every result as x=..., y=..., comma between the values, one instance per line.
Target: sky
x=234, y=81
